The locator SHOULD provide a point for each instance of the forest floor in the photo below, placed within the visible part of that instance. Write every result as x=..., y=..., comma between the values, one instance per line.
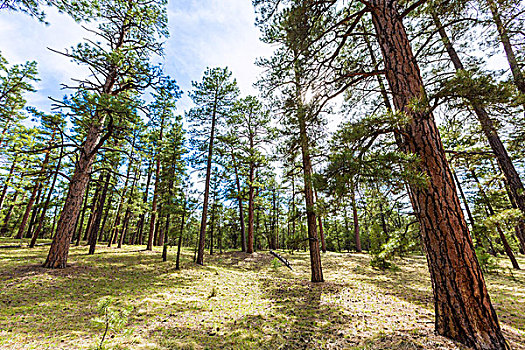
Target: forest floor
x=236, y=301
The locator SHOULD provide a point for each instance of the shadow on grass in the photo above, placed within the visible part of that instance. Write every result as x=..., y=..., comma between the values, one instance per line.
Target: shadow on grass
x=54, y=302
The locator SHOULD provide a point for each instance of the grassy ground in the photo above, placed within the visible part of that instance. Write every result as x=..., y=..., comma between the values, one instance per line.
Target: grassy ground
x=235, y=302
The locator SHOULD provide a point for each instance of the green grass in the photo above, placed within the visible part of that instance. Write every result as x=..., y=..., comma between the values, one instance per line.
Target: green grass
x=236, y=301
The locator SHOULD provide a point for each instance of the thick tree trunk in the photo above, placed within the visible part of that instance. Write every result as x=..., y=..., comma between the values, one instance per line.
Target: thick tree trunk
x=204, y=218
x=58, y=253
x=462, y=305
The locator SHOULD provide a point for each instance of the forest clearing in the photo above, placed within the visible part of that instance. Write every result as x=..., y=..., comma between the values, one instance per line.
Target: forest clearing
x=160, y=161
x=237, y=301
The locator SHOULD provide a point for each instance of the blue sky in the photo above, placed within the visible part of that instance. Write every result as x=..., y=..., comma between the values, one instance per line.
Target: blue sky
x=203, y=33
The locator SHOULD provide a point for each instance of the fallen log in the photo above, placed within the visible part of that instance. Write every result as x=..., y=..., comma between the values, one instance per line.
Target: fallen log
x=282, y=259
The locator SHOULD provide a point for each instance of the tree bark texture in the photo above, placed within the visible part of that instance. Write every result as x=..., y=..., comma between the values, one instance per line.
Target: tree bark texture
x=463, y=310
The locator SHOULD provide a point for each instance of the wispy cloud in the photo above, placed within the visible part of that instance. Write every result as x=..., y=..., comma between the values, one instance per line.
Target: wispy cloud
x=202, y=34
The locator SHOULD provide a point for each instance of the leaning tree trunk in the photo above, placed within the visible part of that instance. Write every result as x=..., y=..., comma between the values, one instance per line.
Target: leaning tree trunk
x=462, y=305
x=512, y=178
x=59, y=251
x=517, y=74
x=7, y=182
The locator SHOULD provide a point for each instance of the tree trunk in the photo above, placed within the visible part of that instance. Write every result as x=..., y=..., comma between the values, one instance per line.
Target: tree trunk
x=48, y=200
x=83, y=215
x=462, y=305
x=491, y=212
x=321, y=231
x=179, y=244
x=239, y=199
x=7, y=182
x=512, y=178
x=142, y=218
x=356, y=222
x=58, y=253
x=99, y=211
x=313, y=240
x=125, y=224
x=251, y=208
x=103, y=225
x=32, y=199
x=517, y=74
x=204, y=218
x=7, y=217
x=152, y=221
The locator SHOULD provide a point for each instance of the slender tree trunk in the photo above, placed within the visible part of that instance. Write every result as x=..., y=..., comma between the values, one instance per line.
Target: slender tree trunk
x=204, y=218
x=9, y=213
x=142, y=218
x=239, y=200
x=7, y=182
x=83, y=215
x=313, y=240
x=127, y=214
x=491, y=212
x=179, y=244
x=462, y=304
x=464, y=198
x=103, y=225
x=152, y=228
x=48, y=200
x=32, y=199
x=98, y=216
x=512, y=178
x=517, y=74
x=92, y=215
x=356, y=222
x=321, y=231
x=251, y=208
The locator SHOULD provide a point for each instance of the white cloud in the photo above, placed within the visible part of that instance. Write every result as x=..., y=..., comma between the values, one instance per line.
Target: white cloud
x=202, y=34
